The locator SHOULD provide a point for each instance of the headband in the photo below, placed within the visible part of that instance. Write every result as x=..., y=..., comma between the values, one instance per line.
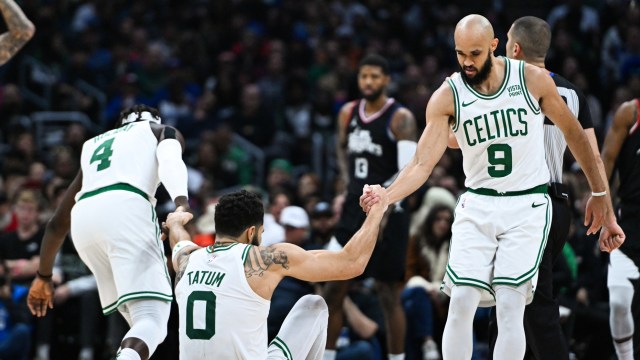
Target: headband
x=145, y=115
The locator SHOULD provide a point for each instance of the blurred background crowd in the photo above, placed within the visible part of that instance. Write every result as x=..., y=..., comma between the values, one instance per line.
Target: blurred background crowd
x=255, y=87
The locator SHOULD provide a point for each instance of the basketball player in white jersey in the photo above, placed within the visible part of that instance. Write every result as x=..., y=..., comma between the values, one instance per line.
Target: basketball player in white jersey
x=110, y=210
x=496, y=108
x=224, y=290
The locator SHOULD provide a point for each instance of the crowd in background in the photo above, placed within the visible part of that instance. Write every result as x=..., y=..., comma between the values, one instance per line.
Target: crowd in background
x=255, y=87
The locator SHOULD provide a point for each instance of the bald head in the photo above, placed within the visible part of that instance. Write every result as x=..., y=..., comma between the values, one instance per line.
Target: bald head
x=476, y=26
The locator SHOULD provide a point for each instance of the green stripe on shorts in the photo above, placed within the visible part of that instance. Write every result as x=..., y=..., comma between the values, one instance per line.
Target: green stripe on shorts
x=282, y=346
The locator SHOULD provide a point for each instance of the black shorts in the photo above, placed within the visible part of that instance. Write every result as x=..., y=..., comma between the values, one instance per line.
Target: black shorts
x=389, y=257
x=630, y=224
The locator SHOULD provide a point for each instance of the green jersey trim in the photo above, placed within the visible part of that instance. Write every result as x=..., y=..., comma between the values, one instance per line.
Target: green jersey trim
x=540, y=189
x=507, y=74
x=118, y=186
x=456, y=104
x=525, y=90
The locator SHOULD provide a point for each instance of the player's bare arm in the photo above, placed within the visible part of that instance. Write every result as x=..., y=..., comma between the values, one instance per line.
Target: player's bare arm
x=20, y=31
x=543, y=88
x=341, y=143
x=41, y=292
x=431, y=146
x=260, y=259
x=403, y=125
x=174, y=226
x=622, y=122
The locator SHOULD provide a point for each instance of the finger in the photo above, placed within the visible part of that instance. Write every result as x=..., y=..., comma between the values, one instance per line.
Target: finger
x=32, y=309
x=596, y=224
x=587, y=216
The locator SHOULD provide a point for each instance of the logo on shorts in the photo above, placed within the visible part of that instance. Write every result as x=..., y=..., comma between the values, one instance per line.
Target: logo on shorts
x=534, y=205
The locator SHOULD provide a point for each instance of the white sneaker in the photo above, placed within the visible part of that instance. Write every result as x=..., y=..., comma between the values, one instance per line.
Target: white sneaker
x=430, y=351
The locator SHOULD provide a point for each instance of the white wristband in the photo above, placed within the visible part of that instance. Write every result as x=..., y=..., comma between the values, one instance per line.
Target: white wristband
x=597, y=194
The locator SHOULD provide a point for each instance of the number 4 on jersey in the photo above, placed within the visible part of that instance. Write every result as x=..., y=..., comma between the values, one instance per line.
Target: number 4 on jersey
x=103, y=153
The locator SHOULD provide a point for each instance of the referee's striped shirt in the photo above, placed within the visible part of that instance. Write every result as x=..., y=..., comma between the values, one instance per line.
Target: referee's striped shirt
x=554, y=141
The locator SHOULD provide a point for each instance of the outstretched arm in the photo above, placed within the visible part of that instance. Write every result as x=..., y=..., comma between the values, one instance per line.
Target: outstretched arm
x=285, y=259
x=431, y=146
x=172, y=170
x=20, y=30
x=179, y=240
x=41, y=292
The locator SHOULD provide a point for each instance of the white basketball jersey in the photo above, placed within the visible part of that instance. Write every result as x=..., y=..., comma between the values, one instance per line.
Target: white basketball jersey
x=221, y=317
x=501, y=135
x=123, y=155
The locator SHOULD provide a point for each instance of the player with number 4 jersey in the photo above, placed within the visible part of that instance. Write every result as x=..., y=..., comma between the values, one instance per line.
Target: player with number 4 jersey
x=110, y=209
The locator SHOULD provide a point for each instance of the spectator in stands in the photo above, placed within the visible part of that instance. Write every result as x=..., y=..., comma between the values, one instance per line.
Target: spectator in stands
x=15, y=332
x=279, y=199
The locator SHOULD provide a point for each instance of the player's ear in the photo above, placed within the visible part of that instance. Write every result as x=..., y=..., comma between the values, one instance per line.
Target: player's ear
x=516, y=50
x=251, y=232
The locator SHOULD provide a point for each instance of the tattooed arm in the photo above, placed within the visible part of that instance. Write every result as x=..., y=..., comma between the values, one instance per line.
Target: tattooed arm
x=20, y=30
x=285, y=259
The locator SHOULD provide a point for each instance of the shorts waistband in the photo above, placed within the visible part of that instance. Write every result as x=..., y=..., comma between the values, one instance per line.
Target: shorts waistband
x=540, y=189
x=118, y=186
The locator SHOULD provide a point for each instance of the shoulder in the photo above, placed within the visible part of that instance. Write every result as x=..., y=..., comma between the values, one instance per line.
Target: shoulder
x=347, y=108
x=627, y=113
x=442, y=99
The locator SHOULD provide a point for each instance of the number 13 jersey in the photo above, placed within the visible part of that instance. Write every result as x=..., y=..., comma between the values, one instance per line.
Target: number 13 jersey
x=123, y=155
x=371, y=146
x=501, y=135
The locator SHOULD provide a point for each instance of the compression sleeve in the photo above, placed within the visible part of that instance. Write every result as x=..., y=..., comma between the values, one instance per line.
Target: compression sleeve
x=406, y=150
x=171, y=169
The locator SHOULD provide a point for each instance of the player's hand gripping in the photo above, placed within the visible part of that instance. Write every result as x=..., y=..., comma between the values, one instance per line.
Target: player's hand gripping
x=179, y=217
x=372, y=194
x=40, y=296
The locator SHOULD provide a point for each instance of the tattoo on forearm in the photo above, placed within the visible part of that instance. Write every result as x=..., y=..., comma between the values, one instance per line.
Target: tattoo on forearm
x=182, y=266
x=20, y=30
x=259, y=260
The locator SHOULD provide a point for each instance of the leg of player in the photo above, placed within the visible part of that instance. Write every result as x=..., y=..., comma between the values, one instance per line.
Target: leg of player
x=510, y=303
x=303, y=334
x=457, y=340
x=149, y=328
x=621, y=321
x=390, y=299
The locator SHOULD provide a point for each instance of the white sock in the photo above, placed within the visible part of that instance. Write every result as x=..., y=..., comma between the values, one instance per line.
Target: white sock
x=329, y=354
x=127, y=354
x=624, y=350
x=396, y=356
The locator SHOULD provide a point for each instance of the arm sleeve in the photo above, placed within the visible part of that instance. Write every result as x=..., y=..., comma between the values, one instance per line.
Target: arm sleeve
x=406, y=150
x=171, y=169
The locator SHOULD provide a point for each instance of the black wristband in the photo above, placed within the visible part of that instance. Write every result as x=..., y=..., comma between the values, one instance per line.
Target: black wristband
x=44, y=277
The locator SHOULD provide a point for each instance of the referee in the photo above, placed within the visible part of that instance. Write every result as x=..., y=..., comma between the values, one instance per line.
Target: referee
x=528, y=40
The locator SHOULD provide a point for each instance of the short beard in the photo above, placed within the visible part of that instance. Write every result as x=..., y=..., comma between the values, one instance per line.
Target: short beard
x=374, y=96
x=481, y=75
x=255, y=240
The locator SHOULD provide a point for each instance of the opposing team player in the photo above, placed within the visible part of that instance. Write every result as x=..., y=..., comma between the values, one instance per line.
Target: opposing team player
x=621, y=152
x=376, y=138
